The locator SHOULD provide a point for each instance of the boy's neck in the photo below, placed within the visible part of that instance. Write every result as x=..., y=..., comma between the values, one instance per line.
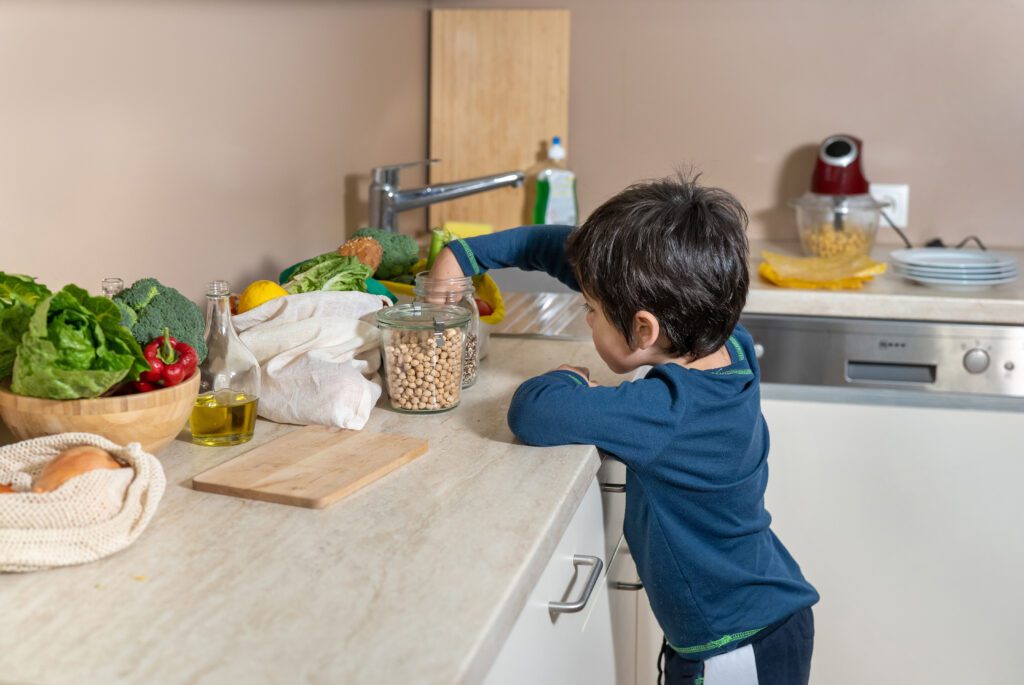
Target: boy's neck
x=716, y=360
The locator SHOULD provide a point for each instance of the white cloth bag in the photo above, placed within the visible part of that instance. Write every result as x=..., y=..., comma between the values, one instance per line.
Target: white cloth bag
x=319, y=356
x=87, y=518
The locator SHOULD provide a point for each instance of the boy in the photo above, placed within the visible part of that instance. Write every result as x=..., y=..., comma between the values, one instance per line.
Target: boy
x=662, y=267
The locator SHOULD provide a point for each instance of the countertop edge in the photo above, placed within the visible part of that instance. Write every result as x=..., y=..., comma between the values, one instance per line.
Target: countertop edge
x=867, y=305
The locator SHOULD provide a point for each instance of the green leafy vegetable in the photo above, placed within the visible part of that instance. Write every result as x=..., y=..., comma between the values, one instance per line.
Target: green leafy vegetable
x=149, y=306
x=75, y=347
x=329, y=271
x=18, y=298
x=400, y=252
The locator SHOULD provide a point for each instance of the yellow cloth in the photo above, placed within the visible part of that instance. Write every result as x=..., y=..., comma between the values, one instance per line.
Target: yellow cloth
x=831, y=273
x=486, y=289
x=467, y=229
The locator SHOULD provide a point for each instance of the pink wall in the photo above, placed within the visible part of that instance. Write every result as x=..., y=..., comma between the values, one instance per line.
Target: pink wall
x=746, y=89
x=229, y=139
x=198, y=140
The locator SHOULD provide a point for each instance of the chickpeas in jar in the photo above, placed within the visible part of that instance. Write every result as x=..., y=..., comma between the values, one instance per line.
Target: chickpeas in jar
x=459, y=292
x=422, y=353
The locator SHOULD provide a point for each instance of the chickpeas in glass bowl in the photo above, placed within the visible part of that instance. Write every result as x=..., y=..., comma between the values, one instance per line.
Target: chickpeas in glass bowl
x=832, y=225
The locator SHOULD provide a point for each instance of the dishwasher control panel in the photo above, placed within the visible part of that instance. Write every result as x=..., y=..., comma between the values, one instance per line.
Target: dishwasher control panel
x=918, y=355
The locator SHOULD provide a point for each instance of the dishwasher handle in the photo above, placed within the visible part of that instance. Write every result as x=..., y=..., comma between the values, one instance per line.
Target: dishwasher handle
x=588, y=589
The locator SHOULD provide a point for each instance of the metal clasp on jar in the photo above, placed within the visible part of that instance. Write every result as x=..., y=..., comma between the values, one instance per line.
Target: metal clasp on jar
x=438, y=333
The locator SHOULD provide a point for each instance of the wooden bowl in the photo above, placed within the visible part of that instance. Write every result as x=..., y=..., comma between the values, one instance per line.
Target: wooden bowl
x=150, y=418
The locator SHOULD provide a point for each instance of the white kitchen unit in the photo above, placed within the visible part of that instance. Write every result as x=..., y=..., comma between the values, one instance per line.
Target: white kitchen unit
x=636, y=634
x=896, y=470
x=910, y=523
x=564, y=633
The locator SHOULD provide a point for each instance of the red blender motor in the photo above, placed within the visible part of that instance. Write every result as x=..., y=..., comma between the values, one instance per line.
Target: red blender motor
x=837, y=171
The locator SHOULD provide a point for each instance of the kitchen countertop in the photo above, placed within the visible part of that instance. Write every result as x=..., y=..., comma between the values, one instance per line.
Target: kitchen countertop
x=417, y=578
x=888, y=296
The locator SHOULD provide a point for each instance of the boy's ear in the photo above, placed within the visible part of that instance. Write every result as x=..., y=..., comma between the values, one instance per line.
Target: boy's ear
x=646, y=330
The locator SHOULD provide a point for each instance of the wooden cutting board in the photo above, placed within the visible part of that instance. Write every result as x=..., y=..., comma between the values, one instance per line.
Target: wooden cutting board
x=311, y=467
x=499, y=90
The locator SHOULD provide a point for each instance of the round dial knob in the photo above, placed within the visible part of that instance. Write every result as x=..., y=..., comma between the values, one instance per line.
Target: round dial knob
x=976, y=360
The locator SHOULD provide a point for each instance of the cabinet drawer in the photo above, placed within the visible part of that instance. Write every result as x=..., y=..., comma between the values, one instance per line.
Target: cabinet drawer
x=557, y=648
x=612, y=477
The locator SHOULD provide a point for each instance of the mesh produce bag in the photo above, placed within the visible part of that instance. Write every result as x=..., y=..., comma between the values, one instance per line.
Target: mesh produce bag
x=87, y=518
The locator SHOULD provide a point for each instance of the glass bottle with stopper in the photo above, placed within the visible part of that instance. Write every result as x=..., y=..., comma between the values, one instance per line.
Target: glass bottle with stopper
x=229, y=382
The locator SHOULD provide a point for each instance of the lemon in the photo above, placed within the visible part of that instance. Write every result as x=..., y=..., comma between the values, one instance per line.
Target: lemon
x=257, y=293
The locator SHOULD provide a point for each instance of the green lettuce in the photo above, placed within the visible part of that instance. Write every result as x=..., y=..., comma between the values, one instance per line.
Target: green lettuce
x=75, y=347
x=18, y=298
x=329, y=271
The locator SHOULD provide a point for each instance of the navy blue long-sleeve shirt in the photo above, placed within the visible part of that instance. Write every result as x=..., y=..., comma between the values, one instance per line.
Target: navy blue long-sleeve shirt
x=695, y=446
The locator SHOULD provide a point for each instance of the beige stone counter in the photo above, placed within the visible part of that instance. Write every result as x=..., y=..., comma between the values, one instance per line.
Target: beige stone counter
x=888, y=296
x=418, y=578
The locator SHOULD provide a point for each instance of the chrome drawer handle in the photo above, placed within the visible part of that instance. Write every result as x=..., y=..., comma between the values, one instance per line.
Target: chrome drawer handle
x=627, y=586
x=613, y=487
x=595, y=573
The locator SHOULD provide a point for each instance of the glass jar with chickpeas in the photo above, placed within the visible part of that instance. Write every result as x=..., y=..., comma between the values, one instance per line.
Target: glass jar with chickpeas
x=460, y=292
x=832, y=225
x=422, y=353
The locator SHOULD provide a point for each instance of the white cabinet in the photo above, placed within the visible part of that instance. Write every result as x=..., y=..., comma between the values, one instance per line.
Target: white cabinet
x=565, y=647
x=635, y=632
x=908, y=521
x=623, y=605
x=614, y=638
x=636, y=635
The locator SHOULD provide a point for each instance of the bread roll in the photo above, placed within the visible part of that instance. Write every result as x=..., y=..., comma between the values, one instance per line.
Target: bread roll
x=72, y=462
x=365, y=249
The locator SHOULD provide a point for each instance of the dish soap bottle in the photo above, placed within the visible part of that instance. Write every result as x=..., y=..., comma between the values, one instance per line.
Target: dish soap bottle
x=229, y=379
x=555, y=189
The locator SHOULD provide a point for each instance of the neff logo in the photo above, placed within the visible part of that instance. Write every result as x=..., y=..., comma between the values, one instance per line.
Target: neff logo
x=891, y=344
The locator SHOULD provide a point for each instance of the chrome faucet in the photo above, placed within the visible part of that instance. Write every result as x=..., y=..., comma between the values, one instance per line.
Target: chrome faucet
x=386, y=200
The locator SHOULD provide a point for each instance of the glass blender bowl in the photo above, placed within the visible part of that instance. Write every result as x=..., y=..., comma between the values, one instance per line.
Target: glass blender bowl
x=832, y=225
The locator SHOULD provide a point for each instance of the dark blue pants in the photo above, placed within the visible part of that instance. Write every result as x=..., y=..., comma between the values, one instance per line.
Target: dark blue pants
x=782, y=655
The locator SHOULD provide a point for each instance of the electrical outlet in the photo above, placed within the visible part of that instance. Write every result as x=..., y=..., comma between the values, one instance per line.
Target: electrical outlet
x=898, y=197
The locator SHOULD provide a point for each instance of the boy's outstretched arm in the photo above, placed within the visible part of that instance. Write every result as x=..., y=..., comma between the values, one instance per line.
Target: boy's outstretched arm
x=630, y=421
x=530, y=248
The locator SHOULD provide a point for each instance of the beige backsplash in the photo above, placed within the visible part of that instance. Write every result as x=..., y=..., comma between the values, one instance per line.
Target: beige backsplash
x=199, y=140
x=228, y=139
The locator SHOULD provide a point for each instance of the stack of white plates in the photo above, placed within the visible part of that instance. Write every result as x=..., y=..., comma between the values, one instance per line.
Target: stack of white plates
x=956, y=268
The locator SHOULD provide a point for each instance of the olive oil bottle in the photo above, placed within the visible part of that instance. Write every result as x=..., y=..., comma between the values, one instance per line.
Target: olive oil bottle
x=229, y=381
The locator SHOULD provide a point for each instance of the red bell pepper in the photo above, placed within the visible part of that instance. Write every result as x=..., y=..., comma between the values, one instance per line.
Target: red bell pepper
x=170, y=362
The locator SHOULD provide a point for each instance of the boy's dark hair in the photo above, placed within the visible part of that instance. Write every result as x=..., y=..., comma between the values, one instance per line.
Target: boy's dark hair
x=673, y=248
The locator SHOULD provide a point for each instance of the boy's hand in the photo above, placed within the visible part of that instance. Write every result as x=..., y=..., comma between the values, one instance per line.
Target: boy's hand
x=446, y=266
x=581, y=370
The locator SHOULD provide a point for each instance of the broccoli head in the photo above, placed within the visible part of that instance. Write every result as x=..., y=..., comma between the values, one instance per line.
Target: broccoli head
x=400, y=252
x=149, y=306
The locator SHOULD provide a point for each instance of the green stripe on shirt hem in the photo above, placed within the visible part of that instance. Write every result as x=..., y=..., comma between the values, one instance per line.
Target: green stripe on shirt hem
x=715, y=644
x=470, y=256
